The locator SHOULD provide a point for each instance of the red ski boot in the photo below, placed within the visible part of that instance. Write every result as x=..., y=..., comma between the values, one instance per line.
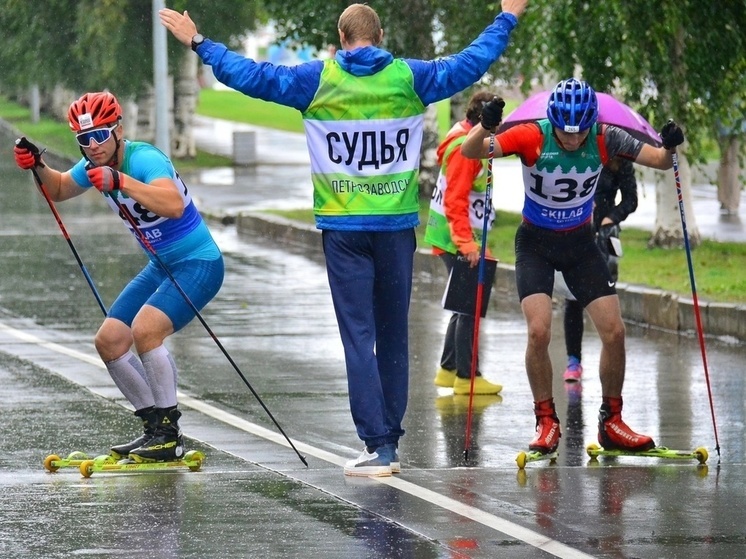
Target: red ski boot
x=615, y=434
x=548, y=433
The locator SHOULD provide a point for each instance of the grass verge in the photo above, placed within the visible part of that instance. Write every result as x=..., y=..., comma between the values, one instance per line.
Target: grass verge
x=56, y=137
x=717, y=266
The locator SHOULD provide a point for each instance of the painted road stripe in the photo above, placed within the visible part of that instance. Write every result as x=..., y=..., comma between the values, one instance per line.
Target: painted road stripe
x=489, y=520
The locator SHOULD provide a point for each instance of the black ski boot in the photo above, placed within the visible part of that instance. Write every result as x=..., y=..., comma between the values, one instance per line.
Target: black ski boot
x=166, y=444
x=149, y=419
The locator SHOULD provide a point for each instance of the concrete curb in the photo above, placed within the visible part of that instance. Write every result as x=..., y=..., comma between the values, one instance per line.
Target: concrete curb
x=640, y=305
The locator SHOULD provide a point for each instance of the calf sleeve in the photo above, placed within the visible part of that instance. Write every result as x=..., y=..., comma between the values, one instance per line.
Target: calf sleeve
x=161, y=372
x=129, y=376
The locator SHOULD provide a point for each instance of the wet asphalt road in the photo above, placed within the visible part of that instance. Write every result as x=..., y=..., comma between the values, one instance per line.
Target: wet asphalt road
x=254, y=497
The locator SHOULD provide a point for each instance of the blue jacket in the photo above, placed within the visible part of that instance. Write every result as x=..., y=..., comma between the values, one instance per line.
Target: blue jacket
x=295, y=86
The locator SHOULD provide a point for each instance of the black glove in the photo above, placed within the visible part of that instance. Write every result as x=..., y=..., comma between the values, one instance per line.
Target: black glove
x=492, y=113
x=604, y=242
x=27, y=155
x=671, y=135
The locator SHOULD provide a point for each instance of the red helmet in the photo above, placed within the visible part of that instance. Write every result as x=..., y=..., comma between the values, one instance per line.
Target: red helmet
x=94, y=110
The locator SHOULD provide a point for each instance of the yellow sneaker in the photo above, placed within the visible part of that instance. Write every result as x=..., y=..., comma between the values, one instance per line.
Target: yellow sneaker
x=445, y=378
x=481, y=386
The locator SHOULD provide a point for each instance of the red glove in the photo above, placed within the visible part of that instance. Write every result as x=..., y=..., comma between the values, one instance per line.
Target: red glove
x=105, y=179
x=27, y=154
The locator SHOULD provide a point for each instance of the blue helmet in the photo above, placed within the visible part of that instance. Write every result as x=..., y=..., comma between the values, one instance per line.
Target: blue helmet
x=572, y=106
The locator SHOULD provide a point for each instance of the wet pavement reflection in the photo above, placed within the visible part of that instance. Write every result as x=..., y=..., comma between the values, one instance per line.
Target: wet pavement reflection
x=254, y=497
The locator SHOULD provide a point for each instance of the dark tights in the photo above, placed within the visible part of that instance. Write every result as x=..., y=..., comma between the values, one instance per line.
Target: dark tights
x=573, y=328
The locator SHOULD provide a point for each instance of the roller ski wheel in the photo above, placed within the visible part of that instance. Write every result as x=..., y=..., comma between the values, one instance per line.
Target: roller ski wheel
x=524, y=457
x=53, y=462
x=700, y=454
x=192, y=461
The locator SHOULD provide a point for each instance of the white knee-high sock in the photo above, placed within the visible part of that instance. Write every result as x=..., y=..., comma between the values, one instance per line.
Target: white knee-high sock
x=129, y=376
x=161, y=372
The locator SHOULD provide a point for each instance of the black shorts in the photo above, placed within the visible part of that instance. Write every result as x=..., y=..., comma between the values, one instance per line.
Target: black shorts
x=539, y=252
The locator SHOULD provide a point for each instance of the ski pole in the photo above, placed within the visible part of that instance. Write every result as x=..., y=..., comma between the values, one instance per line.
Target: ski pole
x=149, y=247
x=24, y=143
x=695, y=300
x=480, y=291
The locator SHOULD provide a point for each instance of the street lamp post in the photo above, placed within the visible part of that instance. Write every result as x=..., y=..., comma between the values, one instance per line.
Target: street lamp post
x=160, y=82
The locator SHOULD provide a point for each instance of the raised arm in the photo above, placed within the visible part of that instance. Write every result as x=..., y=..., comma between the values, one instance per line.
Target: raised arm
x=477, y=143
x=180, y=25
x=662, y=158
x=445, y=76
x=515, y=7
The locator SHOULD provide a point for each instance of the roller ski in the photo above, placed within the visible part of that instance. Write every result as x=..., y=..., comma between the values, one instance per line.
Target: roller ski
x=53, y=462
x=524, y=457
x=163, y=449
x=545, y=443
x=699, y=454
x=615, y=438
x=192, y=461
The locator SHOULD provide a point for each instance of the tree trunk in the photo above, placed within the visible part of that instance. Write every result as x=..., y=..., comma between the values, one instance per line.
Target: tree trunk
x=458, y=107
x=428, y=155
x=129, y=117
x=146, y=116
x=59, y=101
x=729, y=180
x=186, y=91
x=416, y=39
x=35, y=103
x=668, y=231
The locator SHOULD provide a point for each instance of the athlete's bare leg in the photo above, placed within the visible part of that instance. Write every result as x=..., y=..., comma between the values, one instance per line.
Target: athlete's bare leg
x=537, y=309
x=606, y=315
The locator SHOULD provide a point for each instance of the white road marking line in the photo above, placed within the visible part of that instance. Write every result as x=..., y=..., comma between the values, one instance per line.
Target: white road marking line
x=487, y=519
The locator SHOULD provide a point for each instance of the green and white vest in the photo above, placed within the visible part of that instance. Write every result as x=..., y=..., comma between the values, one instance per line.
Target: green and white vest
x=364, y=136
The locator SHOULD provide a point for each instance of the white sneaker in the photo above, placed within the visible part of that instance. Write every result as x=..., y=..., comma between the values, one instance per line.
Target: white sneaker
x=376, y=463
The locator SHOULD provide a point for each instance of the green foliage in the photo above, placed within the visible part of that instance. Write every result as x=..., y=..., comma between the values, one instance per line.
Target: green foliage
x=107, y=56
x=671, y=58
x=37, y=37
x=407, y=24
x=225, y=21
x=310, y=22
x=91, y=45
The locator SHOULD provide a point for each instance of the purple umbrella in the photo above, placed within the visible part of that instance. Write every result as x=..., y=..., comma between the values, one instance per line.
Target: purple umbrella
x=610, y=111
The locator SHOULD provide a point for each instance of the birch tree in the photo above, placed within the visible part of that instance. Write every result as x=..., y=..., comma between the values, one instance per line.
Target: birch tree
x=670, y=58
x=68, y=47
